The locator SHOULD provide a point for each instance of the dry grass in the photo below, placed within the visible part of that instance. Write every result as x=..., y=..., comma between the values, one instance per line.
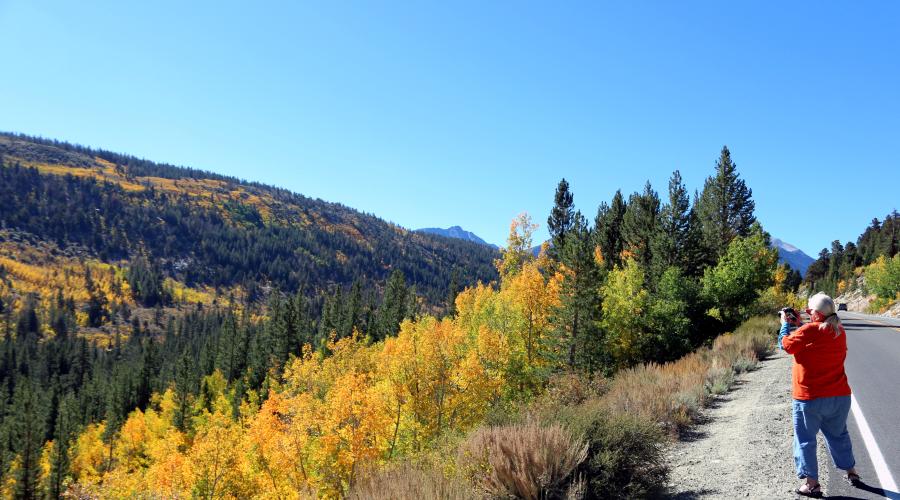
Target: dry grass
x=525, y=460
x=408, y=481
x=673, y=394
x=670, y=394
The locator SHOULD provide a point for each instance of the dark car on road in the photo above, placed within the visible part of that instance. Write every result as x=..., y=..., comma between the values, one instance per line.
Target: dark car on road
x=842, y=307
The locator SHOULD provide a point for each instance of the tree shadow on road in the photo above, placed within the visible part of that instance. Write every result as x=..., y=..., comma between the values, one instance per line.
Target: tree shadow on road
x=850, y=325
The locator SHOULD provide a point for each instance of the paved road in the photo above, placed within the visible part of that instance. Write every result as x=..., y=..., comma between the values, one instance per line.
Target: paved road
x=873, y=368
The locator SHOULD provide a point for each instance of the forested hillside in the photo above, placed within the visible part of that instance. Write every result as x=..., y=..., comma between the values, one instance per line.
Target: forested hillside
x=171, y=333
x=875, y=255
x=204, y=229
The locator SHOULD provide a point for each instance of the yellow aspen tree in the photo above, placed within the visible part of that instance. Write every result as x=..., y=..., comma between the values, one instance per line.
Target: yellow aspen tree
x=518, y=246
x=624, y=302
x=215, y=459
x=89, y=455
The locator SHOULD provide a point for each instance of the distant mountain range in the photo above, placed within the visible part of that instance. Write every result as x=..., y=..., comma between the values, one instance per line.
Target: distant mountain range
x=792, y=256
x=455, y=232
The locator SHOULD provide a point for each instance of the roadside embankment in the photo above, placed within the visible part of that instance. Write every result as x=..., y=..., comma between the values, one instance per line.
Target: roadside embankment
x=743, y=447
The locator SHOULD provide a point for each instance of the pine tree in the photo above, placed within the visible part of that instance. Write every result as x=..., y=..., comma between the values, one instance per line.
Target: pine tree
x=150, y=365
x=185, y=384
x=351, y=317
x=6, y=433
x=562, y=218
x=282, y=328
x=65, y=431
x=228, y=354
x=146, y=282
x=640, y=226
x=576, y=318
x=59, y=317
x=28, y=439
x=697, y=255
x=96, y=305
x=452, y=292
x=726, y=206
x=4, y=310
x=394, y=306
x=608, y=230
x=28, y=322
x=678, y=242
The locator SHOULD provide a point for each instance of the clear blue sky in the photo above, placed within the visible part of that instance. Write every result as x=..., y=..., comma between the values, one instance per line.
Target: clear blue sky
x=468, y=113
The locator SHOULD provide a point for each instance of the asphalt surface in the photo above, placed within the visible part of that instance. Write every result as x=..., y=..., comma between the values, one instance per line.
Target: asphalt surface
x=873, y=369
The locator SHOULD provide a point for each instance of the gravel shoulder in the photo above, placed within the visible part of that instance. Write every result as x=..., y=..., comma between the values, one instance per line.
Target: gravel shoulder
x=743, y=446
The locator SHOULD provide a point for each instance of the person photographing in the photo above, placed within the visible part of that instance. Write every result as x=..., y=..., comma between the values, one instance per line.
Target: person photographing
x=820, y=390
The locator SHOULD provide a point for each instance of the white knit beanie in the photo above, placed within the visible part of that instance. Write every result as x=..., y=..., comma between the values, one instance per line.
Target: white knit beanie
x=822, y=303
x=825, y=305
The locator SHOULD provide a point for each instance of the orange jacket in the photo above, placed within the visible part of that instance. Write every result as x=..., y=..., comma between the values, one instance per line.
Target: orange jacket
x=819, y=356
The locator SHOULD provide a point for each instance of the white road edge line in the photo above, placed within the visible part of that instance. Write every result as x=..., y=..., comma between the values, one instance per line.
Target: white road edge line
x=881, y=468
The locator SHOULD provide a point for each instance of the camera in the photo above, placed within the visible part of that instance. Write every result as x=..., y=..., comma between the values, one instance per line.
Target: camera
x=790, y=314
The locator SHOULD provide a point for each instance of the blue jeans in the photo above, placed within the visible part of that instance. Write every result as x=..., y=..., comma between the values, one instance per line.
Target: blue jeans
x=830, y=416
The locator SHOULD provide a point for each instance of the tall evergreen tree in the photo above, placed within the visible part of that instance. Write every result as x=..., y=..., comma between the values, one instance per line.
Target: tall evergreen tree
x=562, y=218
x=351, y=319
x=185, y=385
x=96, y=309
x=394, y=306
x=679, y=240
x=576, y=318
x=608, y=230
x=640, y=226
x=65, y=431
x=28, y=439
x=28, y=322
x=726, y=206
x=697, y=255
x=452, y=292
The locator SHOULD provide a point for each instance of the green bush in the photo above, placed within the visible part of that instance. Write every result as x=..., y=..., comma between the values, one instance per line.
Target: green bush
x=719, y=379
x=625, y=455
x=747, y=268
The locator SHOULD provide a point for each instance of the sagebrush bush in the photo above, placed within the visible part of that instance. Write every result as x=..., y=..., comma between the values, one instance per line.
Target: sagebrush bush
x=626, y=458
x=719, y=379
x=527, y=460
x=625, y=452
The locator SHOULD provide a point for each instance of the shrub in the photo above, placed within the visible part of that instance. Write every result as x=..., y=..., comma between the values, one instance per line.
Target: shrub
x=883, y=277
x=880, y=304
x=625, y=458
x=625, y=452
x=526, y=460
x=719, y=379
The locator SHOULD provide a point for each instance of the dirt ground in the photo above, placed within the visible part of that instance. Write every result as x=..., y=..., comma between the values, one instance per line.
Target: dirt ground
x=743, y=447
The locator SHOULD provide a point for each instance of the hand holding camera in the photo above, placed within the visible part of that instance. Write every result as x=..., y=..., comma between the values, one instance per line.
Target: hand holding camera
x=789, y=315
